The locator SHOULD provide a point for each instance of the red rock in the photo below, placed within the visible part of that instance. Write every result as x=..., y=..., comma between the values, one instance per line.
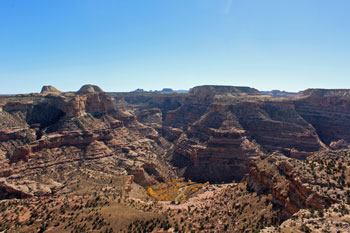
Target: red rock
x=8, y=192
x=275, y=175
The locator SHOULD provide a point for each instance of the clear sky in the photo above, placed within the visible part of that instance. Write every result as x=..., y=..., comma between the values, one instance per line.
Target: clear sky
x=121, y=45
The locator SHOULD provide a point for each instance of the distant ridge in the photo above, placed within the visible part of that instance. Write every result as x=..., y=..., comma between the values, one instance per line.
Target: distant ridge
x=164, y=90
x=278, y=93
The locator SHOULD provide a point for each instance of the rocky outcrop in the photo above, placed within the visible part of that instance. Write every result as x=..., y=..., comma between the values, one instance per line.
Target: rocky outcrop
x=77, y=138
x=8, y=192
x=45, y=90
x=15, y=134
x=276, y=175
x=150, y=116
x=340, y=144
x=96, y=103
x=99, y=104
x=89, y=89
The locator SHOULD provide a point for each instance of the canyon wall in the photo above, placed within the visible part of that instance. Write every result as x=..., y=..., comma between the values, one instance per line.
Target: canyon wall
x=210, y=133
x=217, y=130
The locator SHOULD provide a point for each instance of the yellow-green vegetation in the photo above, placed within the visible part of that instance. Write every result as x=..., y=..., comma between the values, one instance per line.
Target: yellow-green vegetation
x=176, y=190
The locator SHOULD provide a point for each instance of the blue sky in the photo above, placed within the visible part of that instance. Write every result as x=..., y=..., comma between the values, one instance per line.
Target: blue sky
x=122, y=45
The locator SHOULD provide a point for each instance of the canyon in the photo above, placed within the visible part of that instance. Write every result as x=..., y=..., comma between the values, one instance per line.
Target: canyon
x=91, y=143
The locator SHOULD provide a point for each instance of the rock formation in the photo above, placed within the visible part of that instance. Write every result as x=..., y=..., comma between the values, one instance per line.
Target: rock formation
x=45, y=90
x=214, y=131
x=277, y=175
x=38, y=132
x=88, y=89
x=328, y=111
x=224, y=127
x=94, y=144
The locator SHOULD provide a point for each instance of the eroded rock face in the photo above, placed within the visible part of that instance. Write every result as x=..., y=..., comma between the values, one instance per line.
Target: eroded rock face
x=277, y=175
x=209, y=134
x=215, y=148
x=111, y=145
x=150, y=116
x=202, y=123
x=276, y=126
x=223, y=131
x=8, y=192
x=319, y=184
x=328, y=111
x=340, y=144
x=43, y=133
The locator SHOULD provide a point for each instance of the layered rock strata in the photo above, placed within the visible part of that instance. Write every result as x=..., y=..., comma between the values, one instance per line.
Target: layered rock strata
x=43, y=133
x=210, y=133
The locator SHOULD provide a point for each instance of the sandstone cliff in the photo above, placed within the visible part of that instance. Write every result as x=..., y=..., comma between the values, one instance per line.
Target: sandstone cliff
x=224, y=128
x=328, y=111
x=98, y=149
x=279, y=176
x=216, y=130
x=209, y=134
